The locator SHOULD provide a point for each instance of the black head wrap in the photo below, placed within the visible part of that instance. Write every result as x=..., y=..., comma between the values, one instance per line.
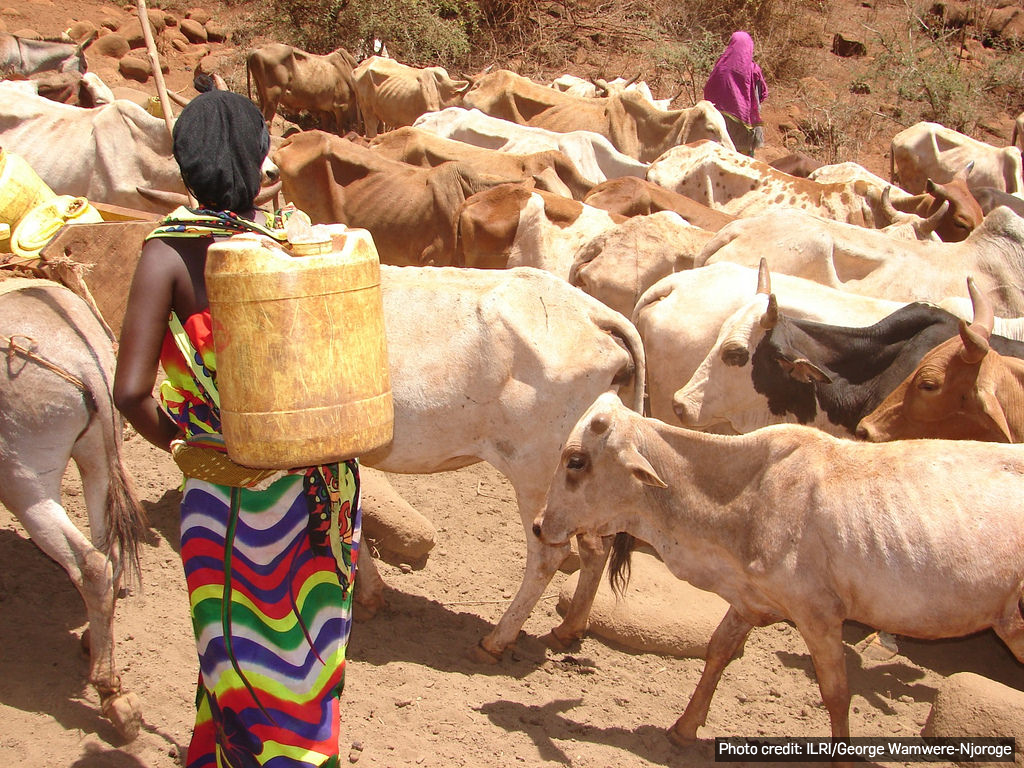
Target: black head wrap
x=220, y=141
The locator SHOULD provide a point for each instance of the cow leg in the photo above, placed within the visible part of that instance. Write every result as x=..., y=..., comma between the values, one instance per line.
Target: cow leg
x=1011, y=627
x=824, y=640
x=594, y=552
x=542, y=561
x=725, y=645
x=369, y=594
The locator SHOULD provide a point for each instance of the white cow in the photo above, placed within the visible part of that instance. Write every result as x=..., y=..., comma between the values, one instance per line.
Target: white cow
x=496, y=366
x=577, y=86
x=871, y=263
x=931, y=151
x=103, y=153
x=923, y=538
x=594, y=155
x=681, y=316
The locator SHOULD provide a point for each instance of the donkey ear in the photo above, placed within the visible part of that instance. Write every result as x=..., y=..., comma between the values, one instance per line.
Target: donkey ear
x=641, y=469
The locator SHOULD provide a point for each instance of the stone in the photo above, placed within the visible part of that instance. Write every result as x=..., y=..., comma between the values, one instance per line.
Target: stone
x=135, y=68
x=131, y=31
x=200, y=15
x=216, y=33
x=971, y=705
x=193, y=30
x=28, y=34
x=81, y=30
x=657, y=614
x=112, y=45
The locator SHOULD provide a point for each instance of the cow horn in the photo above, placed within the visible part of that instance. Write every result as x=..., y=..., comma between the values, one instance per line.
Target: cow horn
x=976, y=335
x=601, y=84
x=887, y=207
x=764, y=278
x=635, y=78
x=928, y=225
x=173, y=199
x=770, y=318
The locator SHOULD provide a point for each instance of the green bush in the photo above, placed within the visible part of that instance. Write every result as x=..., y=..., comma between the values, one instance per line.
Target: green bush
x=418, y=32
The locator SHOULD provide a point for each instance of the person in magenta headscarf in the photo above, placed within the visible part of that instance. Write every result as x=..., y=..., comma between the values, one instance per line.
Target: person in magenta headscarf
x=737, y=87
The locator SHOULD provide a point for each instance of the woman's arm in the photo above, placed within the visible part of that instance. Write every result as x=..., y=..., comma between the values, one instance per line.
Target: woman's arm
x=142, y=334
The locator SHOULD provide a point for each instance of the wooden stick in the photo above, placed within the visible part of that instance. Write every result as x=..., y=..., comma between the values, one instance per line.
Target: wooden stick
x=154, y=60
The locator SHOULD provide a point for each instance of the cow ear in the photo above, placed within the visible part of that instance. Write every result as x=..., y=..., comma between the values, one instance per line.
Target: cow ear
x=804, y=371
x=642, y=470
x=992, y=408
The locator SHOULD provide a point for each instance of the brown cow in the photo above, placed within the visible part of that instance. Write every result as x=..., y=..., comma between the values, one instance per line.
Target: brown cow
x=631, y=196
x=961, y=390
x=550, y=170
x=411, y=212
x=298, y=81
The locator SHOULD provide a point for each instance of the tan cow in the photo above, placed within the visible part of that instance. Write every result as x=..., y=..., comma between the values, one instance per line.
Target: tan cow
x=393, y=94
x=921, y=538
x=630, y=196
x=549, y=170
x=510, y=225
x=619, y=264
x=411, y=212
x=962, y=390
x=513, y=97
x=931, y=151
x=299, y=81
x=635, y=126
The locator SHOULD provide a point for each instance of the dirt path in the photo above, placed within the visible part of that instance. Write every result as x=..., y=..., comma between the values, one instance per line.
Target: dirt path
x=412, y=697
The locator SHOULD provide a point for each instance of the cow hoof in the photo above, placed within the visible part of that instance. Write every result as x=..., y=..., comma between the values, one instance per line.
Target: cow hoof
x=556, y=643
x=482, y=655
x=124, y=710
x=368, y=609
x=681, y=739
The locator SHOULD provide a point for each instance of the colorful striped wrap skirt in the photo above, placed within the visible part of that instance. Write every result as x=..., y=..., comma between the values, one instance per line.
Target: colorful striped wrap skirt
x=270, y=576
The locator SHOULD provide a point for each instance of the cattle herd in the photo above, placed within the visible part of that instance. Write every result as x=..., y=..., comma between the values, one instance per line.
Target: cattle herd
x=649, y=334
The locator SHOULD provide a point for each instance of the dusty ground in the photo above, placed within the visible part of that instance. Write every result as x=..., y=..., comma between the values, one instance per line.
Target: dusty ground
x=413, y=698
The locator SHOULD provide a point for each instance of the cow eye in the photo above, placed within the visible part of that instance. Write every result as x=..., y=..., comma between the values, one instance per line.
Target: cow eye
x=576, y=461
x=928, y=385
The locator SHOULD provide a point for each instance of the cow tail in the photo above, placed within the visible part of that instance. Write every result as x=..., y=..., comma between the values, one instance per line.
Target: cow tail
x=125, y=518
x=620, y=562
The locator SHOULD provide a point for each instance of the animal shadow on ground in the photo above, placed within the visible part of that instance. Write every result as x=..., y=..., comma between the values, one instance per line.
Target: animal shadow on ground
x=43, y=666
x=378, y=642
x=163, y=517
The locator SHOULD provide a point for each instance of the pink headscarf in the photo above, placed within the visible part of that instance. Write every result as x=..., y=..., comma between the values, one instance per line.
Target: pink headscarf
x=733, y=84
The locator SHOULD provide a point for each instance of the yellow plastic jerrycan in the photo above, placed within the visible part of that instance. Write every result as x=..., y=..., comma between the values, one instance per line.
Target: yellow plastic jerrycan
x=21, y=189
x=302, y=366
x=38, y=226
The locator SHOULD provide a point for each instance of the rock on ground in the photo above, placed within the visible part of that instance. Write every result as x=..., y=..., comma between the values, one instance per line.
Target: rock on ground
x=657, y=614
x=971, y=705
